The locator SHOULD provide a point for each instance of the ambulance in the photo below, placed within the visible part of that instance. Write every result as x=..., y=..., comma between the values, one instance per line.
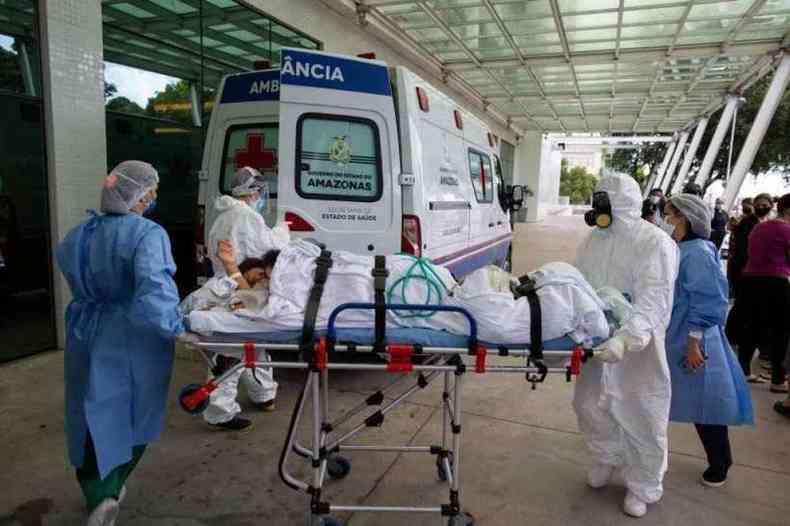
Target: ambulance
x=364, y=158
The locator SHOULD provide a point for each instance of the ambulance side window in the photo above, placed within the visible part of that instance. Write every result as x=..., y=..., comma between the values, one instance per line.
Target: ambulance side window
x=253, y=145
x=338, y=158
x=482, y=176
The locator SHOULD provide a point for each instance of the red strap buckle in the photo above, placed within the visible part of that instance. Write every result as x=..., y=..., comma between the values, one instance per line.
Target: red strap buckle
x=400, y=358
x=320, y=359
x=576, y=361
x=249, y=355
x=194, y=399
x=480, y=359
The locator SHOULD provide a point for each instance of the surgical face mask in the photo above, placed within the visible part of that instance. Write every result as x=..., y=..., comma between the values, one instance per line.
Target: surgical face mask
x=150, y=208
x=762, y=211
x=601, y=213
x=259, y=205
x=666, y=226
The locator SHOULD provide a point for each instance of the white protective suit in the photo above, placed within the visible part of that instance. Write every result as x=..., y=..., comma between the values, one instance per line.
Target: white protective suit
x=623, y=408
x=238, y=223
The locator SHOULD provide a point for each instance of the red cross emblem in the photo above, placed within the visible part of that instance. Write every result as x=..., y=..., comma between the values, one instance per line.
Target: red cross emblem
x=255, y=155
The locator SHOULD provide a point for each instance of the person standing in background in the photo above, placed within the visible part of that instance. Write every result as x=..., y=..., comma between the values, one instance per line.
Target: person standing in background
x=764, y=300
x=718, y=224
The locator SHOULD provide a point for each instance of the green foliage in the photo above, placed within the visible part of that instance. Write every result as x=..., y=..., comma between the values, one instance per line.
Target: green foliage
x=576, y=183
x=773, y=154
x=124, y=105
x=110, y=90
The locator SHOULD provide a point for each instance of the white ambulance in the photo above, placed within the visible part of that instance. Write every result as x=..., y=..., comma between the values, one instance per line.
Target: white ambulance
x=363, y=158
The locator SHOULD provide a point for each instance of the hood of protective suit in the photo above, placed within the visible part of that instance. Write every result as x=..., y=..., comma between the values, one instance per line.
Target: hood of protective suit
x=624, y=195
x=226, y=202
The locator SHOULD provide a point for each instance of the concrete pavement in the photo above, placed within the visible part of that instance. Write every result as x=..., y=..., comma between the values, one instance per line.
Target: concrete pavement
x=523, y=459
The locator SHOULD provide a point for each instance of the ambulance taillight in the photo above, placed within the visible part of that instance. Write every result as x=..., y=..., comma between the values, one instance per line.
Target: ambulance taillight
x=296, y=223
x=411, y=236
x=422, y=98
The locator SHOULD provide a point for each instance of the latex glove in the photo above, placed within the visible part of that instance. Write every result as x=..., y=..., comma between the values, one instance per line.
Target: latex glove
x=610, y=351
x=188, y=340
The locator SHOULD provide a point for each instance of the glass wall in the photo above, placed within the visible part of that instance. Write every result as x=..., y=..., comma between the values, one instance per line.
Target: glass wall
x=164, y=60
x=26, y=300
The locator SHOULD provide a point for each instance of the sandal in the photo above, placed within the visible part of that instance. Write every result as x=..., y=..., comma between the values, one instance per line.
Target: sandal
x=782, y=409
x=754, y=379
x=781, y=388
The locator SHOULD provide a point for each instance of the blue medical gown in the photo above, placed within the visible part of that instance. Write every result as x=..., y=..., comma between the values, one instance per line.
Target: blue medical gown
x=717, y=393
x=120, y=328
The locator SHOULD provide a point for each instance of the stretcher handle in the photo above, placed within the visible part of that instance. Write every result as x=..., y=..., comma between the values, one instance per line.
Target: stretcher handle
x=330, y=330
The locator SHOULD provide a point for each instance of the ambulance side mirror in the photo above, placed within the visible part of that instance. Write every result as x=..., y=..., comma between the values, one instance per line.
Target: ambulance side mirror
x=515, y=197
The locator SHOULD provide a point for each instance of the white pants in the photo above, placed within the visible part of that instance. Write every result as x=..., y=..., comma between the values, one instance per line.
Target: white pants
x=630, y=433
x=260, y=387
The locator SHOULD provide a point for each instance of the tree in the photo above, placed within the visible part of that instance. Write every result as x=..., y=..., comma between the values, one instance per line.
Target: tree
x=773, y=154
x=124, y=105
x=173, y=103
x=110, y=90
x=576, y=183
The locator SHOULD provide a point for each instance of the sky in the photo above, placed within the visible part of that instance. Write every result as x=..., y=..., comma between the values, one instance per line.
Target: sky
x=135, y=84
x=771, y=182
x=5, y=42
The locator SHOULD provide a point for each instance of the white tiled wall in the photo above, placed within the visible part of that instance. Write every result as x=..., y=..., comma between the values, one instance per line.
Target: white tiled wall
x=71, y=42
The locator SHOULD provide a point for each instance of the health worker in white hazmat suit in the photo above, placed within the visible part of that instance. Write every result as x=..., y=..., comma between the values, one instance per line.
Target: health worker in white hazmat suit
x=622, y=397
x=240, y=222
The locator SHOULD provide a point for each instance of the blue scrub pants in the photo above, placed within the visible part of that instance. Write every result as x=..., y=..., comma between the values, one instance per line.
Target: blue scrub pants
x=716, y=441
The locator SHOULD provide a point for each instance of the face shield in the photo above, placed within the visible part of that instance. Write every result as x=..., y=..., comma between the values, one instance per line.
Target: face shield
x=601, y=213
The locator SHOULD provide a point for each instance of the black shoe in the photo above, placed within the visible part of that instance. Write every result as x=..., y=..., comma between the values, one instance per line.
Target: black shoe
x=713, y=478
x=782, y=409
x=267, y=406
x=238, y=424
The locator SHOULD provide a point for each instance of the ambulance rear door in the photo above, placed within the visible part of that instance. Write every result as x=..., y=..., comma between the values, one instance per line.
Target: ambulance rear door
x=338, y=147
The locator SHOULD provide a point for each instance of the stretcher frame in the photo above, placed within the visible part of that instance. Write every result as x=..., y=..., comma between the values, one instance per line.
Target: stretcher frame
x=427, y=362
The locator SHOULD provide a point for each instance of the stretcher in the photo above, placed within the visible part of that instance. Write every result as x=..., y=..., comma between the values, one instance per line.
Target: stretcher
x=416, y=356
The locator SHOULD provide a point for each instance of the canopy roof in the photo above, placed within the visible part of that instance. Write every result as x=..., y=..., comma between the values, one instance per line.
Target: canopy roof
x=180, y=38
x=614, y=66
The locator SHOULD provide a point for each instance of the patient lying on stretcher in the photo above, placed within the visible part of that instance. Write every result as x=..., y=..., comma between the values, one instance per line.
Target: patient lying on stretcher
x=569, y=305
x=245, y=286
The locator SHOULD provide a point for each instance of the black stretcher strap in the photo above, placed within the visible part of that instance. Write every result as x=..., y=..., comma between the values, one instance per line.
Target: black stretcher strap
x=526, y=287
x=322, y=265
x=380, y=275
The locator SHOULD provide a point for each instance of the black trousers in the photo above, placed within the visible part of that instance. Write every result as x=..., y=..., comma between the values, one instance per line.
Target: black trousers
x=716, y=441
x=763, y=319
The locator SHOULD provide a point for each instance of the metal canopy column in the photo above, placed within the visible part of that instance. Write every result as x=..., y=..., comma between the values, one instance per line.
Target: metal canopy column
x=690, y=154
x=718, y=137
x=658, y=172
x=684, y=137
x=756, y=134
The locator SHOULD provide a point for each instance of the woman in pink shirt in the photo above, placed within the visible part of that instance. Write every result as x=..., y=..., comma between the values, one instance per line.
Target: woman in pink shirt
x=766, y=294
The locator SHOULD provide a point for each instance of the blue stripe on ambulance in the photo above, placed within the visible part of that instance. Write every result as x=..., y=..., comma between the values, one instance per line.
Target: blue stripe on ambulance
x=318, y=70
x=255, y=86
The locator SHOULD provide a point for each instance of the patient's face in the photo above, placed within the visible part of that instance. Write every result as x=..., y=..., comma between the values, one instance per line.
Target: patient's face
x=255, y=276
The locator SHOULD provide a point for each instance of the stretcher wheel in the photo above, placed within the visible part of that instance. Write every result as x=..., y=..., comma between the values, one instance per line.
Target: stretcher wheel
x=440, y=473
x=326, y=520
x=464, y=519
x=189, y=390
x=338, y=467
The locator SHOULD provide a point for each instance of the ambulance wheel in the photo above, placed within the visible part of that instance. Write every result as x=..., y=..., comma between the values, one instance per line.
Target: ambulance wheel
x=440, y=472
x=188, y=391
x=338, y=467
x=464, y=519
